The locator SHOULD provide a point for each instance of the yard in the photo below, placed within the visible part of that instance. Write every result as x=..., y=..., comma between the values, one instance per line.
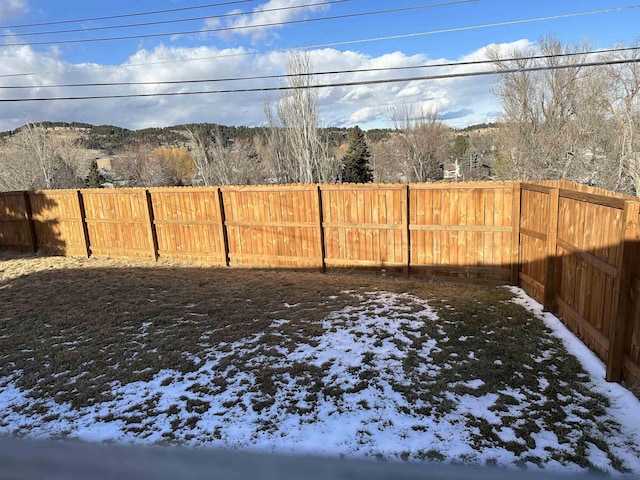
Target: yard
x=339, y=365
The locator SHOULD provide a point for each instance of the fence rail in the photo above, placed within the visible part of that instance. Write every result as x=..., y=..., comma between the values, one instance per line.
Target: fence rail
x=574, y=248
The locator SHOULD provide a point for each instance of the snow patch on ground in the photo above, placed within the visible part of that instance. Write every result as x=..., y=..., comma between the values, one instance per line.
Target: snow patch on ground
x=625, y=407
x=351, y=396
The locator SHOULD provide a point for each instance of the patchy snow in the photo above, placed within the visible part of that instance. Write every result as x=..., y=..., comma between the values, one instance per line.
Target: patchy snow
x=623, y=402
x=345, y=392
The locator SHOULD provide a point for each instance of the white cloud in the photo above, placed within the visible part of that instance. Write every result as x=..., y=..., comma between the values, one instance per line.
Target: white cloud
x=460, y=101
x=273, y=12
x=13, y=8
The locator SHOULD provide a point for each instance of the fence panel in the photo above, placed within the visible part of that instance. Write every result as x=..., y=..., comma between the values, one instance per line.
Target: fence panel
x=365, y=226
x=462, y=230
x=118, y=223
x=58, y=222
x=188, y=224
x=630, y=368
x=16, y=231
x=534, y=224
x=586, y=286
x=273, y=226
x=576, y=249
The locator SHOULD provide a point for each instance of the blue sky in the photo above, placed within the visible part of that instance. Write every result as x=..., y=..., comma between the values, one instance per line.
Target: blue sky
x=213, y=55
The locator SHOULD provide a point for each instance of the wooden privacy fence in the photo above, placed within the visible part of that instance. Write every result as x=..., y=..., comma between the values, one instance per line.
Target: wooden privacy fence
x=574, y=248
x=580, y=257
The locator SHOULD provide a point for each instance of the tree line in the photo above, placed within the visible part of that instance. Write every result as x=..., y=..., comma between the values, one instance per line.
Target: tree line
x=56, y=155
x=576, y=122
x=570, y=121
x=292, y=147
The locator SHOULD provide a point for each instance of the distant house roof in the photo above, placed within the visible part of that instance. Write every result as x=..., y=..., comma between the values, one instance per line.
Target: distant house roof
x=104, y=163
x=451, y=171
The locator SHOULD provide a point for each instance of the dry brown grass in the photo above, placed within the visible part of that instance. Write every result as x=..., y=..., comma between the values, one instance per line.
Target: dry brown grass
x=77, y=318
x=91, y=322
x=71, y=328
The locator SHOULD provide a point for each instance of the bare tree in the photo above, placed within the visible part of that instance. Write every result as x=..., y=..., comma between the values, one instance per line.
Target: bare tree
x=220, y=161
x=74, y=162
x=201, y=158
x=36, y=158
x=385, y=158
x=574, y=123
x=424, y=143
x=136, y=166
x=554, y=119
x=35, y=141
x=623, y=109
x=15, y=172
x=297, y=152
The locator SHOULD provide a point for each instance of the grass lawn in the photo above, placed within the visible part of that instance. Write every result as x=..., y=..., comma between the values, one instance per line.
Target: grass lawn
x=340, y=365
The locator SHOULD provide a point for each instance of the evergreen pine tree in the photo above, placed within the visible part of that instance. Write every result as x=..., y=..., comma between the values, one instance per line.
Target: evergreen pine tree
x=356, y=168
x=94, y=180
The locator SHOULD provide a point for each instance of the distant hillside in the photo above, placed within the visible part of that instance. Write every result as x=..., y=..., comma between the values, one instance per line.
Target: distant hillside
x=110, y=138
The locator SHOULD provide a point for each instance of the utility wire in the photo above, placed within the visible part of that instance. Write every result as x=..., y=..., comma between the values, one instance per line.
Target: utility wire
x=336, y=84
x=240, y=27
x=334, y=72
x=476, y=27
x=180, y=20
x=336, y=44
x=127, y=15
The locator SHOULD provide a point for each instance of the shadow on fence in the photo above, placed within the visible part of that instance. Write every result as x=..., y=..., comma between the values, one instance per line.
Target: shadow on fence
x=30, y=222
x=598, y=302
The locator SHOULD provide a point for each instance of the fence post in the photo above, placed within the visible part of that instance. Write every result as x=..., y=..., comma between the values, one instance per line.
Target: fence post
x=515, y=241
x=323, y=253
x=83, y=223
x=28, y=214
x=552, y=248
x=622, y=288
x=153, y=239
x=224, y=238
x=406, y=234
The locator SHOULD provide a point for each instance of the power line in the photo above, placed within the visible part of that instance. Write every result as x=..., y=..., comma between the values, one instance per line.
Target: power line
x=240, y=27
x=484, y=25
x=335, y=84
x=342, y=43
x=334, y=72
x=126, y=15
x=180, y=20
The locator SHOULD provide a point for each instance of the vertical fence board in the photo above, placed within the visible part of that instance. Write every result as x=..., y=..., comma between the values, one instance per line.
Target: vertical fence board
x=552, y=249
x=406, y=234
x=320, y=234
x=631, y=361
x=28, y=213
x=621, y=311
x=515, y=238
x=151, y=233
